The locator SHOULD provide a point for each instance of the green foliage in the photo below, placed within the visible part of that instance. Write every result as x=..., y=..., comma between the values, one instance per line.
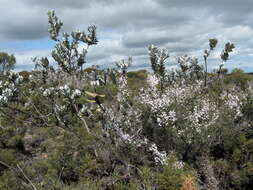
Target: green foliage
x=16, y=142
x=88, y=185
x=227, y=49
x=239, y=78
x=9, y=181
x=66, y=52
x=7, y=62
x=158, y=58
x=172, y=175
x=140, y=74
x=123, y=186
x=8, y=157
x=248, y=108
x=137, y=79
x=212, y=43
x=148, y=177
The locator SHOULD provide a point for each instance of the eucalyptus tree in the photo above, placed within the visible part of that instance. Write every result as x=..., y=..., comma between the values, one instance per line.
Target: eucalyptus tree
x=7, y=62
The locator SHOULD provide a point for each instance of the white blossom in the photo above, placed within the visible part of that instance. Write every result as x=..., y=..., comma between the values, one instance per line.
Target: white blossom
x=160, y=157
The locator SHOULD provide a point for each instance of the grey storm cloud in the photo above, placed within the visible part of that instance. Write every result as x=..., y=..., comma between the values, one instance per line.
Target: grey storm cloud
x=144, y=38
x=229, y=12
x=108, y=15
x=70, y=4
x=224, y=6
x=75, y=4
x=17, y=31
x=128, y=27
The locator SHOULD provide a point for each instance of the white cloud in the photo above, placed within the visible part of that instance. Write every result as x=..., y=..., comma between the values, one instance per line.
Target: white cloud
x=128, y=27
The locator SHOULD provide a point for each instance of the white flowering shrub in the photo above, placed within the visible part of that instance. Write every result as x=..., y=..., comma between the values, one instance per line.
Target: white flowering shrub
x=71, y=126
x=10, y=87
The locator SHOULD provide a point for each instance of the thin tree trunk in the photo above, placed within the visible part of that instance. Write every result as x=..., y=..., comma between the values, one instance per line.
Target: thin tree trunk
x=205, y=71
x=206, y=170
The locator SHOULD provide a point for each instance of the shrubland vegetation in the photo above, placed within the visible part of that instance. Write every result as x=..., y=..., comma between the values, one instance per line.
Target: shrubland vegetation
x=77, y=128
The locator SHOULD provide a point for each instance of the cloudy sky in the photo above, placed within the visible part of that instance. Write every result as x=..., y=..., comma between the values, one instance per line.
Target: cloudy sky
x=127, y=27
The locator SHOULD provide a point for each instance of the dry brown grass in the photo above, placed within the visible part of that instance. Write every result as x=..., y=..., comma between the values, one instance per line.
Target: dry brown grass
x=189, y=183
